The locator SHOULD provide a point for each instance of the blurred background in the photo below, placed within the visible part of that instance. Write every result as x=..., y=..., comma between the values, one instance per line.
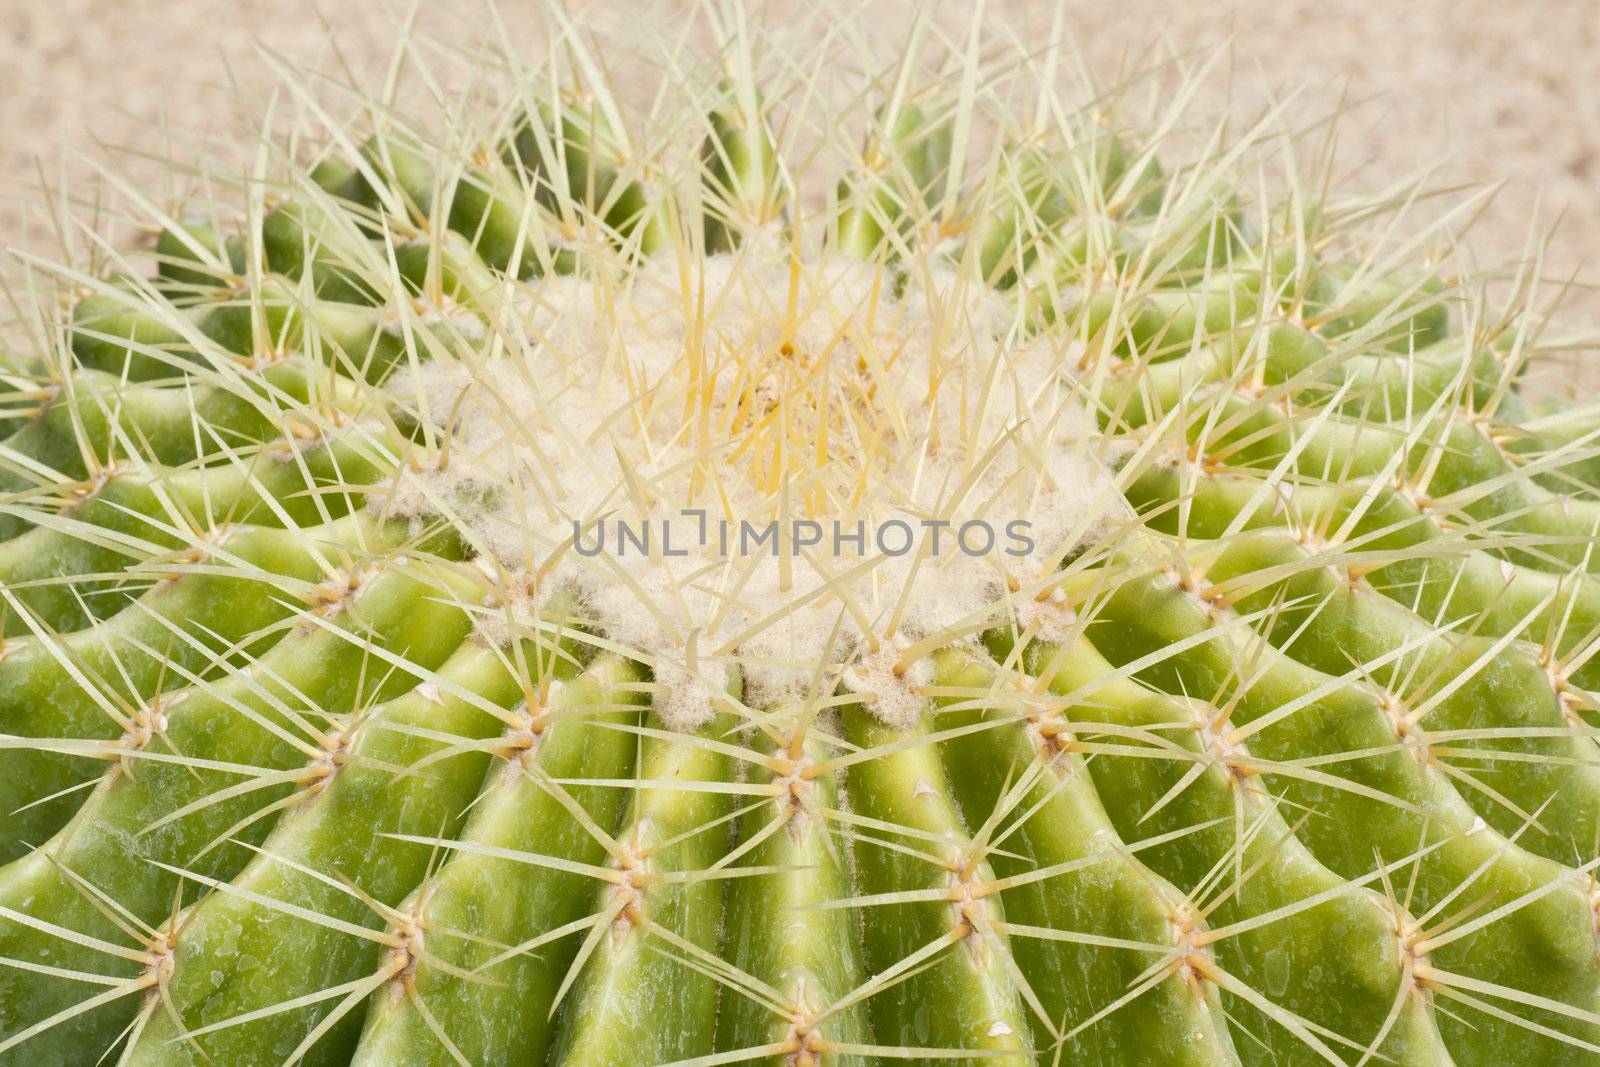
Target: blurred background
x=1484, y=91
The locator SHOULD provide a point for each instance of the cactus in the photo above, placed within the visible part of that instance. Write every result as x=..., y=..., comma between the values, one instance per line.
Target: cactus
x=478, y=598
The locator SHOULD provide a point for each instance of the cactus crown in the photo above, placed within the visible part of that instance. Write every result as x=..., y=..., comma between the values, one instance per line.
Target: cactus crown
x=400, y=666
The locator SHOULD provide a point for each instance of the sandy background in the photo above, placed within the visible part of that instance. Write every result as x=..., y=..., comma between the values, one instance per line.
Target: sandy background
x=1489, y=91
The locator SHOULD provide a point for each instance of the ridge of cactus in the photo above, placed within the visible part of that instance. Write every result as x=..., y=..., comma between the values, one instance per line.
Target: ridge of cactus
x=446, y=614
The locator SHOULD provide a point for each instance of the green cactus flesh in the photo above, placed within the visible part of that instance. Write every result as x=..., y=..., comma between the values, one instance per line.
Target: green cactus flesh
x=322, y=740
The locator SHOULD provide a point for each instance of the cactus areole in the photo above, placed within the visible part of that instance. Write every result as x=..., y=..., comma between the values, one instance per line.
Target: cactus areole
x=962, y=568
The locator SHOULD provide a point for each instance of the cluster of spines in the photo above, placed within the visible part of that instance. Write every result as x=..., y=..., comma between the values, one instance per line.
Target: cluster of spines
x=1303, y=770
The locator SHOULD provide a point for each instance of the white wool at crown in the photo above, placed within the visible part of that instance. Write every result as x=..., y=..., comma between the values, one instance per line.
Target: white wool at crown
x=616, y=403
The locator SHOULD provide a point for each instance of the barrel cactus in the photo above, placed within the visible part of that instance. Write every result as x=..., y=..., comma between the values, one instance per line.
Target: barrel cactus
x=760, y=578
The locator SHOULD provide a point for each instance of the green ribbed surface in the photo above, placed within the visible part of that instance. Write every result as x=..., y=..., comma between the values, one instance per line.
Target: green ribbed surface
x=1311, y=777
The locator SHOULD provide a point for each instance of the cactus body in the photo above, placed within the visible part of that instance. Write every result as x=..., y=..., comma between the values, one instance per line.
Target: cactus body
x=342, y=723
